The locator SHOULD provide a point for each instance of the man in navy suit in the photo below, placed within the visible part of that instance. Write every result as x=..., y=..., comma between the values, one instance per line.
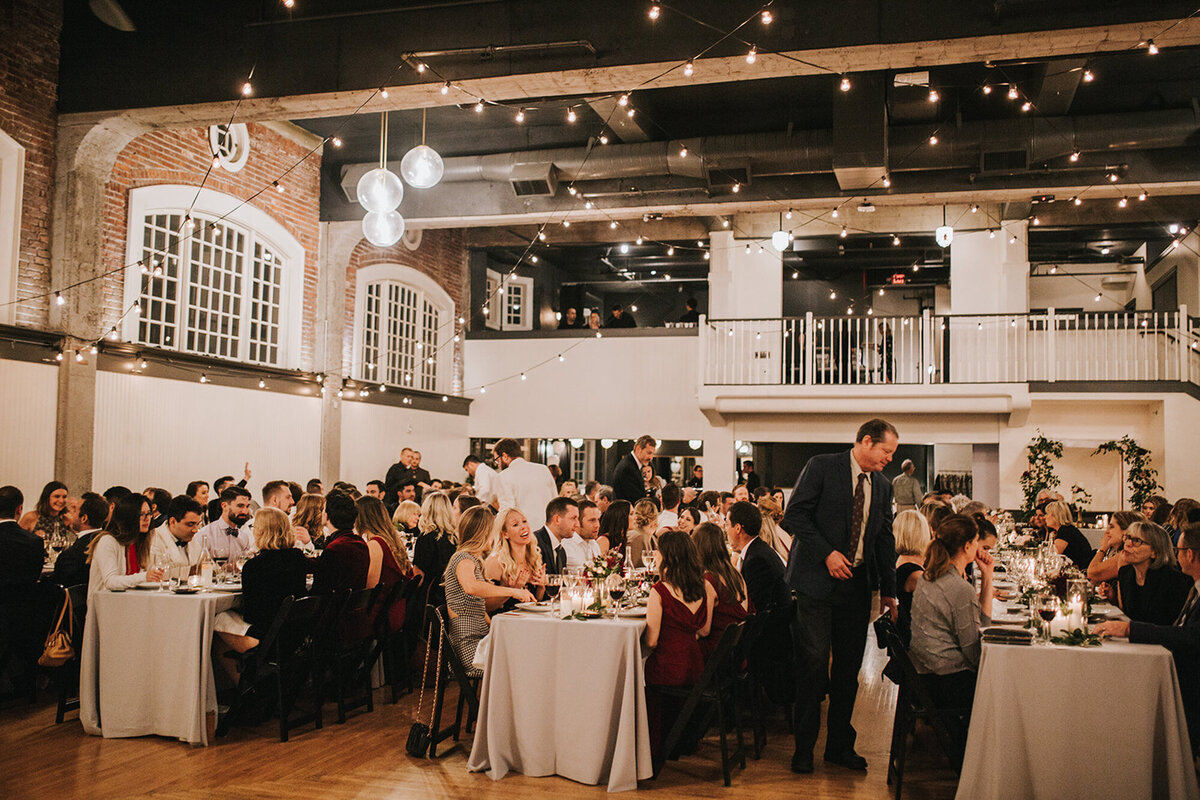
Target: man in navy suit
x=840, y=519
x=627, y=481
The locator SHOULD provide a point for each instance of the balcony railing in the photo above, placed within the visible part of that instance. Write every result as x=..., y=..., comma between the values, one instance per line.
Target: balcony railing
x=932, y=349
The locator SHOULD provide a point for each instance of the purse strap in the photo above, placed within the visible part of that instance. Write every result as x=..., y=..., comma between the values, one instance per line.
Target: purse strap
x=63, y=613
x=437, y=675
x=424, y=676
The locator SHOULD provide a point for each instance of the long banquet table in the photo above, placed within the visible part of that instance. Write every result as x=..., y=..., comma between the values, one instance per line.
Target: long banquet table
x=146, y=666
x=564, y=697
x=1069, y=722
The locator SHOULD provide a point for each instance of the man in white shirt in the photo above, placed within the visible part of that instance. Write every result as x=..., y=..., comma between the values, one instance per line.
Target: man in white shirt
x=484, y=479
x=582, y=548
x=229, y=536
x=522, y=484
x=669, y=516
x=562, y=518
x=176, y=541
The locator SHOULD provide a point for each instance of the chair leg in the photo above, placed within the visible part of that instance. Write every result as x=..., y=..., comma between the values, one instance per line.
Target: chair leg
x=902, y=755
x=741, y=742
x=458, y=715
x=725, y=773
x=436, y=728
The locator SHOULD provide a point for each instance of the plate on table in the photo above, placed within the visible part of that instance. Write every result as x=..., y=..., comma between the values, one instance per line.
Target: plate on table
x=185, y=590
x=148, y=586
x=226, y=587
x=538, y=608
x=638, y=612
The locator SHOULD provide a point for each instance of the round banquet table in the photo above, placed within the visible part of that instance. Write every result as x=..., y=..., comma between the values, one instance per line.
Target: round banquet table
x=146, y=666
x=1071, y=722
x=564, y=697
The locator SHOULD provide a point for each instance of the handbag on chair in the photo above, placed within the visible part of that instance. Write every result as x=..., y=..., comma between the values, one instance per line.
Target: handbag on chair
x=58, y=649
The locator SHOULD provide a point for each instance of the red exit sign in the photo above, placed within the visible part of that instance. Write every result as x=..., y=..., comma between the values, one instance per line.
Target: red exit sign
x=898, y=279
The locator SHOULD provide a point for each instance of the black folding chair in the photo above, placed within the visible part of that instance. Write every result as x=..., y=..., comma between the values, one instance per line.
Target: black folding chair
x=393, y=645
x=913, y=703
x=747, y=692
x=67, y=676
x=450, y=666
x=714, y=691
x=350, y=651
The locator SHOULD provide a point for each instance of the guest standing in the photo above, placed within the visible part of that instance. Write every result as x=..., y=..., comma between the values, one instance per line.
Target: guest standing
x=627, y=480
x=840, y=518
x=484, y=478
x=522, y=484
x=732, y=603
x=906, y=488
x=1150, y=587
x=345, y=561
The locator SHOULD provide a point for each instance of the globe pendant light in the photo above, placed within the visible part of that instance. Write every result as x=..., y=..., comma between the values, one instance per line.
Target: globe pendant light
x=422, y=167
x=380, y=189
x=383, y=228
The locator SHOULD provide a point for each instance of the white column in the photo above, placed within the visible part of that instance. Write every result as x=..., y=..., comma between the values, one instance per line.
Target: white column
x=744, y=285
x=990, y=274
x=338, y=240
x=719, y=454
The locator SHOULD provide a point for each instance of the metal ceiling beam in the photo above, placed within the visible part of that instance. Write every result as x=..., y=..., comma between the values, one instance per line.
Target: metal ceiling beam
x=1028, y=45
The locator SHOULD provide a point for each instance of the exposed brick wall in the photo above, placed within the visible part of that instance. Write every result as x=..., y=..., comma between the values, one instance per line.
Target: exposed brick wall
x=181, y=156
x=442, y=255
x=29, y=31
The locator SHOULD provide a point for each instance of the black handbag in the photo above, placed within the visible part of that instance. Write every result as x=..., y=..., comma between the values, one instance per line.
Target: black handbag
x=420, y=734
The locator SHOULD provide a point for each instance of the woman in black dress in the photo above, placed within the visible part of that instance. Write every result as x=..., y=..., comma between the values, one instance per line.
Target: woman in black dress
x=1068, y=540
x=1150, y=587
x=912, y=533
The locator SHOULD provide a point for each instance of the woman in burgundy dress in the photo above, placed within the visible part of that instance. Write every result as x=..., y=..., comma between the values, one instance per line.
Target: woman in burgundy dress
x=732, y=604
x=389, y=560
x=678, y=615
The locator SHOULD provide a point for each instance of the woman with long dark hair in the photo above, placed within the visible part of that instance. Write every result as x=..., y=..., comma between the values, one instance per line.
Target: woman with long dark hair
x=733, y=602
x=678, y=615
x=49, y=517
x=120, y=554
x=614, y=527
x=388, y=560
x=946, y=614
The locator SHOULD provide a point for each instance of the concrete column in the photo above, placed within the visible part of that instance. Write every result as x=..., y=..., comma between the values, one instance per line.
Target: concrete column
x=1143, y=296
x=84, y=162
x=338, y=240
x=990, y=274
x=744, y=285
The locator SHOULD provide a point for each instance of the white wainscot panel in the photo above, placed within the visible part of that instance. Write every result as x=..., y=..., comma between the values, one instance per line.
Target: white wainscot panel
x=27, y=427
x=373, y=436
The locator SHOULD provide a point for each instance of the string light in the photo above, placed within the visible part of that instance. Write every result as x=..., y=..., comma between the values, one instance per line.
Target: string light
x=844, y=232
x=278, y=186
x=845, y=84
x=262, y=384
x=670, y=251
x=247, y=89
x=974, y=208
x=987, y=88
x=895, y=241
x=203, y=378
x=1074, y=155
x=933, y=139
x=835, y=213
x=613, y=225
x=887, y=182
x=767, y=17
x=688, y=69
x=832, y=294
x=1088, y=76
x=383, y=92
x=446, y=87
x=143, y=364
x=623, y=100
x=1151, y=47
x=631, y=112
x=520, y=115
x=752, y=56
x=737, y=187
x=78, y=357
x=58, y=299
x=58, y=356
x=566, y=223
x=603, y=138
x=991, y=234
x=420, y=68
x=571, y=117
x=1124, y=201
x=934, y=96
x=112, y=334
x=1113, y=177
x=683, y=151
x=1142, y=195
x=1078, y=201
x=479, y=107
x=655, y=11
x=1013, y=94
x=788, y=215
x=336, y=141
x=1026, y=105
x=1036, y=221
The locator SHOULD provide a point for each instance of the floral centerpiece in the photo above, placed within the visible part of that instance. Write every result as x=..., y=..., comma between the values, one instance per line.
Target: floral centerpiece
x=604, y=565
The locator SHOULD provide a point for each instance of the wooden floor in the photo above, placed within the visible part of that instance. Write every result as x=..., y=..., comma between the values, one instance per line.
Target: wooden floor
x=365, y=758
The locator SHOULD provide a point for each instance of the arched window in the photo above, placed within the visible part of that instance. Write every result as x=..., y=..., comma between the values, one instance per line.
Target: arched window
x=403, y=323
x=229, y=284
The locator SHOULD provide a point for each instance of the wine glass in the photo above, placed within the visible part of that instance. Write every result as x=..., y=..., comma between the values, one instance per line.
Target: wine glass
x=648, y=559
x=1047, y=608
x=162, y=562
x=616, y=590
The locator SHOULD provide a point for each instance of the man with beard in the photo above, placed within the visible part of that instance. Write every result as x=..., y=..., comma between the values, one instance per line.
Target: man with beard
x=229, y=536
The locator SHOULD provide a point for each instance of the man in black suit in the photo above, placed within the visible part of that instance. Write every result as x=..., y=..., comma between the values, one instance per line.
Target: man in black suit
x=697, y=479
x=840, y=518
x=21, y=552
x=562, y=517
x=749, y=477
x=21, y=604
x=627, y=481
x=71, y=567
x=760, y=565
x=1182, y=638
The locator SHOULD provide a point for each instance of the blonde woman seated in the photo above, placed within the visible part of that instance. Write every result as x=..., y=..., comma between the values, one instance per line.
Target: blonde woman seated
x=1110, y=555
x=407, y=517
x=467, y=591
x=779, y=539
x=643, y=529
x=276, y=571
x=912, y=533
x=436, y=543
x=516, y=562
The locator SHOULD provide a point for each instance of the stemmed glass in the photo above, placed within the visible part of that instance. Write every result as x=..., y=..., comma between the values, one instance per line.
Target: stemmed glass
x=648, y=559
x=1047, y=606
x=616, y=590
x=162, y=563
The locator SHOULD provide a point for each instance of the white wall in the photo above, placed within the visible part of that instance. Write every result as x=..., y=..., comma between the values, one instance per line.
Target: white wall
x=373, y=435
x=743, y=285
x=158, y=432
x=27, y=427
x=1079, y=289
x=990, y=274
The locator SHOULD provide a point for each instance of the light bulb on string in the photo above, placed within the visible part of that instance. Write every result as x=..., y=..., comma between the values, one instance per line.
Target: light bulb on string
x=383, y=92
x=788, y=215
x=1151, y=47
x=845, y=84
x=987, y=88
x=639, y=239
x=767, y=17
x=933, y=139
x=655, y=11
x=78, y=357
x=566, y=223
x=844, y=232
x=683, y=151
x=58, y=356
x=479, y=107
x=247, y=89
x=737, y=187
x=752, y=56
x=934, y=96
x=520, y=117
x=1142, y=195
x=203, y=378
x=623, y=100
x=974, y=208
x=336, y=141
x=1088, y=76
x=278, y=186
x=446, y=87
x=688, y=69
x=143, y=364
x=887, y=182
x=1074, y=155
x=603, y=137
x=1013, y=94
x=1124, y=201
x=613, y=225
x=1078, y=201
x=895, y=241
x=631, y=112
x=1026, y=106
x=834, y=214
x=571, y=116
x=670, y=251
x=58, y=299
x=112, y=334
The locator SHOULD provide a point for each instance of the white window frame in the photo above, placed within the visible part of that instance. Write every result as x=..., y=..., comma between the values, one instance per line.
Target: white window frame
x=239, y=136
x=12, y=183
x=258, y=226
x=427, y=291
x=497, y=302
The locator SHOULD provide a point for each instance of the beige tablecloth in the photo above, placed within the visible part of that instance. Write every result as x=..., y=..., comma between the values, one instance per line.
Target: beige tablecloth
x=1070, y=722
x=563, y=697
x=146, y=666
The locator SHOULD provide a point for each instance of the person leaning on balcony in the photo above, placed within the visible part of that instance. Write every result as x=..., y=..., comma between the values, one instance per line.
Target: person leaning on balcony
x=620, y=318
x=906, y=488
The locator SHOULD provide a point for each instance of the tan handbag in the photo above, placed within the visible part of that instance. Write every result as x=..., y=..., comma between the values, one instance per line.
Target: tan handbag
x=58, y=650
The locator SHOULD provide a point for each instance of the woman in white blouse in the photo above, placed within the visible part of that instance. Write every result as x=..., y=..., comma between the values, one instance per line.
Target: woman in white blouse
x=120, y=554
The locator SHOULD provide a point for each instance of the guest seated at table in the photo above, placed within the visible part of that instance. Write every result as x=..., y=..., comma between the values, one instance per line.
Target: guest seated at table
x=1150, y=587
x=912, y=533
x=779, y=540
x=71, y=568
x=119, y=556
x=732, y=603
x=582, y=548
x=309, y=516
x=22, y=553
x=467, y=591
x=159, y=499
x=461, y=503
x=1110, y=555
x=562, y=518
x=175, y=542
x=760, y=566
x=48, y=519
x=1068, y=540
x=934, y=512
x=344, y=562
x=689, y=518
x=947, y=616
x=516, y=561
x=407, y=518
x=229, y=537
x=678, y=615
x=614, y=526
x=1181, y=636
x=643, y=532
x=389, y=560
x=1178, y=517
x=1156, y=509
x=276, y=571
x=435, y=544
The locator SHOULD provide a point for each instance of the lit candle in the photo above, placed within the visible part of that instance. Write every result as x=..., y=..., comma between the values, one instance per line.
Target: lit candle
x=1075, y=614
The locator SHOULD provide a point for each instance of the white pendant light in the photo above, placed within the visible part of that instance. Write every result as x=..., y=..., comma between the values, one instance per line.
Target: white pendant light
x=380, y=189
x=383, y=228
x=422, y=167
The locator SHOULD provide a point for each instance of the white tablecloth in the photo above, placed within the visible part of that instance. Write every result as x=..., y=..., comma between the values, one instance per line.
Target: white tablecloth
x=564, y=697
x=146, y=666
x=1071, y=722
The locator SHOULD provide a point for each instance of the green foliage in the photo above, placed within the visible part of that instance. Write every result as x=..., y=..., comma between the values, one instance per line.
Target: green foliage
x=1041, y=454
x=1140, y=477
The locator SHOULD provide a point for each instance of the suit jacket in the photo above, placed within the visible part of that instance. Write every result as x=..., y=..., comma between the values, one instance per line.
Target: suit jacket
x=627, y=480
x=545, y=543
x=763, y=571
x=1184, y=643
x=529, y=487
x=71, y=567
x=21, y=556
x=818, y=518
x=752, y=481
x=343, y=564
